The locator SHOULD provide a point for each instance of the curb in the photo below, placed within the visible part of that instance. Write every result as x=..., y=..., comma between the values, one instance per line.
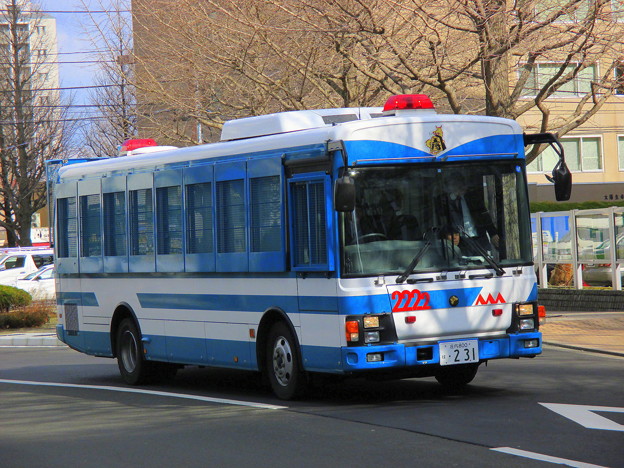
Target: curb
x=581, y=348
x=19, y=340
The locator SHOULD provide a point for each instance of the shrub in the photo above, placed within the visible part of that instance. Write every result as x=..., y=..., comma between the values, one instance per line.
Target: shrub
x=11, y=297
x=34, y=315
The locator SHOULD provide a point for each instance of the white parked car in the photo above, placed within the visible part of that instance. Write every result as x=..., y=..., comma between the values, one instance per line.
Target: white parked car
x=40, y=284
x=16, y=263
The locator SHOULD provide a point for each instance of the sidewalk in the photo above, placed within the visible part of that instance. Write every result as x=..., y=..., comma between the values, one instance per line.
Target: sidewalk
x=41, y=339
x=590, y=331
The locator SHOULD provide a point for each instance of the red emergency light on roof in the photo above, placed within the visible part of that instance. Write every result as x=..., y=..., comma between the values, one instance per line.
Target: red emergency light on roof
x=131, y=145
x=408, y=102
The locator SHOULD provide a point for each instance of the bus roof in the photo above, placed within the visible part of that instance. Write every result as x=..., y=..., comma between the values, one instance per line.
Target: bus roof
x=289, y=130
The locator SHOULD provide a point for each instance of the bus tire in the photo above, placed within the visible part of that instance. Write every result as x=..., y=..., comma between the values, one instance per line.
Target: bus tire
x=283, y=365
x=134, y=369
x=456, y=377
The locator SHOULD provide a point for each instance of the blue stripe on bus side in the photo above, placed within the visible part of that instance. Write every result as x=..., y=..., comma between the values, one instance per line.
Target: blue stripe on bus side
x=240, y=303
x=80, y=298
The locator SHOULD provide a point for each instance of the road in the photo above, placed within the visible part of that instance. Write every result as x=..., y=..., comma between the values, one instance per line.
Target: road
x=62, y=408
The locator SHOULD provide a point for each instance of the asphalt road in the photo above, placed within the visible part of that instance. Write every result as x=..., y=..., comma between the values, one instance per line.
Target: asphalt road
x=61, y=408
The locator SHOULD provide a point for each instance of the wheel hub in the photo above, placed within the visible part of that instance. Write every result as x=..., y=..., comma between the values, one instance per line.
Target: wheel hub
x=282, y=361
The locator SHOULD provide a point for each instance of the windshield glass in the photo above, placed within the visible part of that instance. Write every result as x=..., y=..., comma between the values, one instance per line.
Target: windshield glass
x=471, y=215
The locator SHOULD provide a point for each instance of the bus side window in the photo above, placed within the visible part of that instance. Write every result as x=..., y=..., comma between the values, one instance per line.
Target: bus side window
x=310, y=224
x=266, y=233
x=67, y=243
x=141, y=222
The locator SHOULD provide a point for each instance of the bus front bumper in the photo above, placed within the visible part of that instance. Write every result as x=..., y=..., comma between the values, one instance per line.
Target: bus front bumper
x=405, y=355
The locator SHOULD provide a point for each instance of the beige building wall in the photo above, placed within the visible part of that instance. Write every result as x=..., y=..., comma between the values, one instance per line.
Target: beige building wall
x=601, y=181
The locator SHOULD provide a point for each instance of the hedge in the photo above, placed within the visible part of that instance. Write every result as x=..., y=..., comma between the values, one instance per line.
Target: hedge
x=567, y=206
x=11, y=297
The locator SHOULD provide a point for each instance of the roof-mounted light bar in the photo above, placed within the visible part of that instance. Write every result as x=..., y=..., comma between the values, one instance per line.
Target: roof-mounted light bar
x=407, y=102
x=136, y=143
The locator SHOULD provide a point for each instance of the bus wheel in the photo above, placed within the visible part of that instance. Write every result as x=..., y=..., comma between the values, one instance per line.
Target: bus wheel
x=133, y=368
x=283, y=366
x=456, y=377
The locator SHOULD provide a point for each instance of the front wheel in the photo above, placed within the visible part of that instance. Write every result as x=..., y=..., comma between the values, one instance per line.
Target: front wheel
x=456, y=377
x=283, y=365
x=134, y=369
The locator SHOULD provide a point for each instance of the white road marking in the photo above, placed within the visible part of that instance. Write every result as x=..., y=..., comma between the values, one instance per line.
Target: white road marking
x=546, y=458
x=146, y=392
x=585, y=416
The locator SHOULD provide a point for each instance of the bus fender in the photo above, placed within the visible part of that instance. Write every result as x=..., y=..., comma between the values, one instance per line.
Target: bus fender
x=270, y=317
x=122, y=311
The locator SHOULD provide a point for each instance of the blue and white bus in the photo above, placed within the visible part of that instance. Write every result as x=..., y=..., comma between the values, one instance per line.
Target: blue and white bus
x=317, y=241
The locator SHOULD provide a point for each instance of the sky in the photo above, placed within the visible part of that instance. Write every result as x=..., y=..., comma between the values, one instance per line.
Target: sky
x=73, y=47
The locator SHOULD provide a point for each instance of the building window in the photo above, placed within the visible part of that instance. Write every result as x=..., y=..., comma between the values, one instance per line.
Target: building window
x=546, y=8
x=619, y=78
x=541, y=73
x=582, y=154
x=621, y=152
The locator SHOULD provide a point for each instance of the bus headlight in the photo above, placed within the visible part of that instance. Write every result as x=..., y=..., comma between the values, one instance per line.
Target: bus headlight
x=371, y=337
x=527, y=324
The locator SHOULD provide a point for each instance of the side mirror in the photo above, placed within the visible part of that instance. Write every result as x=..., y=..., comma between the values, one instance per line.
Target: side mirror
x=344, y=194
x=562, y=178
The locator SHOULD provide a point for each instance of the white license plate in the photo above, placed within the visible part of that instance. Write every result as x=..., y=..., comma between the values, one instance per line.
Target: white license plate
x=459, y=352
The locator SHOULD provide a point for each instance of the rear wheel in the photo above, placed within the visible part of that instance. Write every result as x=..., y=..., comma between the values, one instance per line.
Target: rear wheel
x=283, y=365
x=134, y=369
x=456, y=377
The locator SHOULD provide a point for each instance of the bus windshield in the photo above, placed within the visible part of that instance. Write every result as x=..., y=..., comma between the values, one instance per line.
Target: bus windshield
x=437, y=217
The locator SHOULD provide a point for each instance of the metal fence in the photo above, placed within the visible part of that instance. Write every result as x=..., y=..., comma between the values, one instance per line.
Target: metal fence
x=579, y=248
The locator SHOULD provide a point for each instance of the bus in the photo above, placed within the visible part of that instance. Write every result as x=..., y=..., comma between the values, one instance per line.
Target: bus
x=306, y=242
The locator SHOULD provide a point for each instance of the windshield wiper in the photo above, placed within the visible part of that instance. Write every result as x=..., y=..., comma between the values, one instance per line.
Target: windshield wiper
x=419, y=255
x=479, y=248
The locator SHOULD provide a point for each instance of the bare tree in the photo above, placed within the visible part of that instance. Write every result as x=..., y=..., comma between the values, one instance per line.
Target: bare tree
x=110, y=37
x=217, y=59
x=233, y=59
x=31, y=123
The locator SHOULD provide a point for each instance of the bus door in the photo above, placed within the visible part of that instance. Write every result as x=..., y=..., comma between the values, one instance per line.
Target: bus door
x=312, y=244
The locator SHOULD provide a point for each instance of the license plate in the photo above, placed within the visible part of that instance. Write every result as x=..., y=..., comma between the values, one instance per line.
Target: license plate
x=459, y=352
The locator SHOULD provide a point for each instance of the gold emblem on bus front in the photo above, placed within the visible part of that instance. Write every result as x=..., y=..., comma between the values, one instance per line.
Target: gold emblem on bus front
x=436, y=142
x=453, y=300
